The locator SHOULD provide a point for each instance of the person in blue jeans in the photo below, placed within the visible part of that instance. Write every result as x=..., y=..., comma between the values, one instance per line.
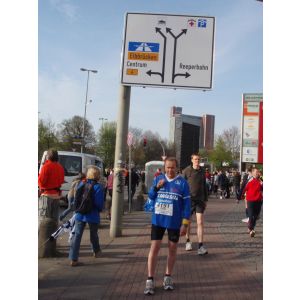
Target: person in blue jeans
x=92, y=218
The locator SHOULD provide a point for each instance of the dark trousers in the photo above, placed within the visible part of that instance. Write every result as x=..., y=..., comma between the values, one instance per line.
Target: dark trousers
x=105, y=192
x=133, y=189
x=254, y=208
x=237, y=191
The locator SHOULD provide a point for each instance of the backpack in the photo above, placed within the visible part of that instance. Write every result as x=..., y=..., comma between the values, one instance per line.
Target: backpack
x=83, y=200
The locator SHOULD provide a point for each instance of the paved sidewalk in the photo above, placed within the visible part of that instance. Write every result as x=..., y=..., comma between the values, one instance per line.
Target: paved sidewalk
x=231, y=270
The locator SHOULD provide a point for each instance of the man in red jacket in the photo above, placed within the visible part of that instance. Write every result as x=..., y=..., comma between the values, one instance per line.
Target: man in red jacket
x=50, y=180
x=254, y=198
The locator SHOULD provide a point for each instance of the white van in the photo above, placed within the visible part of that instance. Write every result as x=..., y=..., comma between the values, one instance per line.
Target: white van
x=74, y=163
x=150, y=169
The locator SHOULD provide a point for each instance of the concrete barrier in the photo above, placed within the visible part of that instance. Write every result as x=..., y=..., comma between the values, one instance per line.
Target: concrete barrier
x=48, y=223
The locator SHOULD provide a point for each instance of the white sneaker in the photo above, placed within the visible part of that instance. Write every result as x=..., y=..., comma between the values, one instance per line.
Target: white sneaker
x=149, y=289
x=202, y=250
x=168, y=283
x=221, y=197
x=188, y=246
x=246, y=220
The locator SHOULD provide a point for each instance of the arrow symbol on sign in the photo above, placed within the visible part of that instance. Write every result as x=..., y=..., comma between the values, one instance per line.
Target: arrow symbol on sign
x=169, y=31
x=186, y=74
x=162, y=74
x=183, y=31
x=154, y=73
x=157, y=29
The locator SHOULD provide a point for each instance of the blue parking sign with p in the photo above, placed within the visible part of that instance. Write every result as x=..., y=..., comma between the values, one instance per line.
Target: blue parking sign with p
x=202, y=23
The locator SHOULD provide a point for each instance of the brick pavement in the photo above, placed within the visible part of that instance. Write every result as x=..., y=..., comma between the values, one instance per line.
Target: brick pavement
x=250, y=250
x=231, y=270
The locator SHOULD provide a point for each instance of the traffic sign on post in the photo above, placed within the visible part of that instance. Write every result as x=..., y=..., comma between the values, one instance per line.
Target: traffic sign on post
x=129, y=139
x=163, y=50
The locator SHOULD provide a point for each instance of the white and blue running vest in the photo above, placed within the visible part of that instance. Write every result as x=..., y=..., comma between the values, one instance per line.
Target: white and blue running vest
x=172, y=202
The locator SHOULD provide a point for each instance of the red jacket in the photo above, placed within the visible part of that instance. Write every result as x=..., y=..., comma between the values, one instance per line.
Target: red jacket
x=51, y=177
x=110, y=181
x=253, y=190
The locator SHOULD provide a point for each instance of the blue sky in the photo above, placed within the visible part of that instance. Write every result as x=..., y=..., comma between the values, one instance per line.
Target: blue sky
x=88, y=34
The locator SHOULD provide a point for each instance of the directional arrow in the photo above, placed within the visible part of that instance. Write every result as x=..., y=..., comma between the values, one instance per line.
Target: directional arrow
x=169, y=31
x=157, y=29
x=186, y=74
x=162, y=74
x=154, y=73
x=183, y=31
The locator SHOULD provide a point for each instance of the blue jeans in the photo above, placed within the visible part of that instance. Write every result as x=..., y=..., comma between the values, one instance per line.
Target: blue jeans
x=75, y=244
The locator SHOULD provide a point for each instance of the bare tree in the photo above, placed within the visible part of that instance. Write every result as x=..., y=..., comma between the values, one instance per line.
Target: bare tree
x=231, y=138
x=72, y=130
x=154, y=149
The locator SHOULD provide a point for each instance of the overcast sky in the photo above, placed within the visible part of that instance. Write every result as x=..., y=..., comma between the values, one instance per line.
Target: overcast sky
x=88, y=34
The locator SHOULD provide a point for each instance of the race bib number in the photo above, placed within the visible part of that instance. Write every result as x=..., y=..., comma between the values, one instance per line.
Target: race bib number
x=164, y=209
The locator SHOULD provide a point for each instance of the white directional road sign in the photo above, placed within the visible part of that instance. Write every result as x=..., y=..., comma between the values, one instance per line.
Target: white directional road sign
x=174, y=51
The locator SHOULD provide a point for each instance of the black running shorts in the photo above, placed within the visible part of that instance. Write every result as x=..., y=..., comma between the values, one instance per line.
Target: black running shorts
x=157, y=233
x=198, y=207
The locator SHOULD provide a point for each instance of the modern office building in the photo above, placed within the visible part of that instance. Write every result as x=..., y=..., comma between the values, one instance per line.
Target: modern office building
x=189, y=134
x=208, y=122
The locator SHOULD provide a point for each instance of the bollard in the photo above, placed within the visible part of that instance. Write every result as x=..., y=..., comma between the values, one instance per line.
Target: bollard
x=48, y=222
x=47, y=247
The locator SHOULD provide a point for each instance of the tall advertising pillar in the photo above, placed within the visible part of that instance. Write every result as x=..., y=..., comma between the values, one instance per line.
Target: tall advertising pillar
x=252, y=129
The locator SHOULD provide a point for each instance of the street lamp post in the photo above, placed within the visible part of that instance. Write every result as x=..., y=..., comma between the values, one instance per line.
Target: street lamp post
x=86, y=96
x=102, y=119
x=164, y=153
x=232, y=145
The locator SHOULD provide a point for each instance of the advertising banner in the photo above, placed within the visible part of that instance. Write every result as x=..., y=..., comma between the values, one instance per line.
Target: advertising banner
x=252, y=128
x=260, y=135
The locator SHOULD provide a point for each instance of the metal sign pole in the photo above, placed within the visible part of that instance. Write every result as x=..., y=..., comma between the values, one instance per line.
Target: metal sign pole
x=129, y=181
x=118, y=186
